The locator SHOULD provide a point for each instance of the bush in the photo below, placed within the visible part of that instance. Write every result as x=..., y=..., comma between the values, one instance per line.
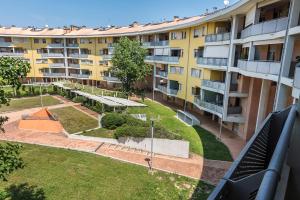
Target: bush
x=79, y=99
x=112, y=121
x=132, y=131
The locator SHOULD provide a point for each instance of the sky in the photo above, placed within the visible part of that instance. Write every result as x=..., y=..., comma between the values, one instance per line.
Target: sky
x=97, y=13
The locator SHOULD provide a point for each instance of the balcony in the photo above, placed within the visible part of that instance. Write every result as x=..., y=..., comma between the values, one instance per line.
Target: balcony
x=52, y=55
x=166, y=90
x=11, y=54
x=48, y=74
x=264, y=67
x=111, y=79
x=162, y=74
x=156, y=43
x=162, y=59
x=107, y=57
x=57, y=65
x=55, y=45
x=217, y=37
x=215, y=86
x=79, y=75
x=77, y=55
x=6, y=44
x=217, y=62
x=72, y=65
x=209, y=107
x=73, y=45
x=266, y=27
x=268, y=164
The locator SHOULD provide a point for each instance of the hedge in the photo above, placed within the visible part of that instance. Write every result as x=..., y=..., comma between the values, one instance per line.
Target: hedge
x=112, y=121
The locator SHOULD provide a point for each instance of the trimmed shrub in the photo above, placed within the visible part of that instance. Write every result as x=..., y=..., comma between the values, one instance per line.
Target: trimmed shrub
x=79, y=99
x=112, y=121
x=132, y=131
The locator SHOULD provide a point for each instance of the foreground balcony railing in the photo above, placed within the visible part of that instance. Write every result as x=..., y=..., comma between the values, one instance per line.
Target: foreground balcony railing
x=271, y=26
x=166, y=90
x=156, y=43
x=210, y=107
x=11, y=54
x=79, y=75
x=163, y=59
x=48, y=74
x=217, y=37
x=256, y=173
x=57, y=65
x=162, y=73
x=49, y=55
x=212, y=61
x=214, y=85
x=264, y=67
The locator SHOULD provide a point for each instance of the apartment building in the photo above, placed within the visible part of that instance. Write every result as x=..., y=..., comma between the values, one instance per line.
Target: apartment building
x=235, y=65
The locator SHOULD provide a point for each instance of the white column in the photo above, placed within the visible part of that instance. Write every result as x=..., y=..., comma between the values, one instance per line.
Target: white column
x=251, y=52
x=66, y=60
x=263, y=102
x=281, y=99
x=294, y=13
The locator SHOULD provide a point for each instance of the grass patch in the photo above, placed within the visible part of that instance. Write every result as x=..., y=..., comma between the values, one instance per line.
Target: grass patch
x=201, y=141
x=74, y=120
x=65, y=174
x=100, y=132
x=30, y=102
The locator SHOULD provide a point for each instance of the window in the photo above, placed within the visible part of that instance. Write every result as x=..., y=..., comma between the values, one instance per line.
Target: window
x=195, y=73
x=85, y=41
x=178, y=35
x=87, y=62
x=44, y=41
x=198, y=52
x=176, y=70
x=103, y=62
x=196, y=91
x=36, y=41
x=196, y=33
x=102, y=40
x=203, y=31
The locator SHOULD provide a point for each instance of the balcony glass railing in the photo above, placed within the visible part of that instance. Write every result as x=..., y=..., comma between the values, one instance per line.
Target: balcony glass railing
x=271, y=26
x=214, y=85
x=212, y=61
x=48, y=55
x=209, y=106
x=56, y=45
x=167, y=90
x=111, y=78
x=54, y=74
x=72, y=45
x=107, y=57
x=57, y=65
x=217, y=37
x=156, y=43
x=79, y=75
x=73, y=65
x=6, y=44
x=11, y=54
x=164, y=59
x=162, y=73
x=259, y=66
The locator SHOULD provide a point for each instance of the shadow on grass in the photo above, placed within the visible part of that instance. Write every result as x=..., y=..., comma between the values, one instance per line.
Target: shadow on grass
x=24, y=191
x=202, y=191
x=212, y=148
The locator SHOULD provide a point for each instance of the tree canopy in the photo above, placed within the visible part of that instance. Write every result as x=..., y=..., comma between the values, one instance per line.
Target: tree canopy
x=128, y=63
x=12, y=71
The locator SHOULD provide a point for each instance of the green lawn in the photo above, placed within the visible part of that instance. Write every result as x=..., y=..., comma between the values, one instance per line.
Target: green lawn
x=74, y=120
x=201, y=141
x=28, y=102
x=65, y=174
x=100, y=132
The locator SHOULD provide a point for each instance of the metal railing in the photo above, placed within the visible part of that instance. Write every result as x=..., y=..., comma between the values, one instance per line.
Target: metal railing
x=270, y=26
x=213, y=84
x=212, y=61
x=209, y=106
x=260, y=66
x=156, y=43
x=255, y=173
x=57, y=65
x=217, y=37
x=164, y=59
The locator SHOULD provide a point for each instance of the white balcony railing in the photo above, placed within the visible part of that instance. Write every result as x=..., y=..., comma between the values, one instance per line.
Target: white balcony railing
x=212, y=61
x=163, y=59
x=74, y=65
x=107, y=57
x=56, y=45
x=216, y=85
x=162, y=73
x=57, y=65
x=54, y=55
x=208, y=106
x=217, y=37
x=156, y=43
x=54, y=74
x=270, y=26
x=264, y=67
x=80, y=75
x=11, y=54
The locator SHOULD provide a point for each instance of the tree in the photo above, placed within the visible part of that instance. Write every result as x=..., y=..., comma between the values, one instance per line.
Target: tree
x=128, y=63
x=12, y=71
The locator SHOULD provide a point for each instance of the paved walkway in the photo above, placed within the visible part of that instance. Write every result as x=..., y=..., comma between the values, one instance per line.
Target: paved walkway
x=234, y=143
